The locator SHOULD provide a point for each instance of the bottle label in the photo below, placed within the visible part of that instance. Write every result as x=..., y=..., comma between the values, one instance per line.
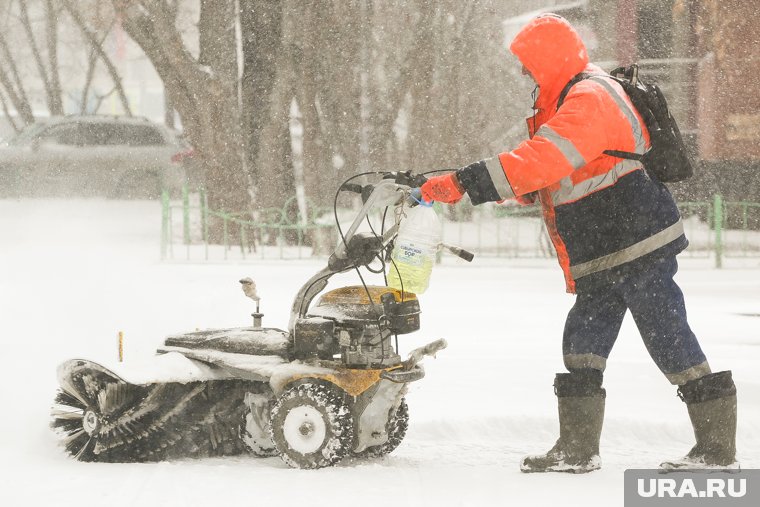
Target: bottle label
x=411, y=255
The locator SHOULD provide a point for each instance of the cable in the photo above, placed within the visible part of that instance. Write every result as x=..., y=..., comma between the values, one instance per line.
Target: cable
x=358, y=271
x=300, y=308
x=440, y=171
x=385, y=276
x=382, y=233
x=372, y=305
x=379, y=255
x=340, y=230
x=335, y=202
x=400, y=280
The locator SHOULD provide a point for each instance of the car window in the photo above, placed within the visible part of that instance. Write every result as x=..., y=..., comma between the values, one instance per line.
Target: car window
x=91, y=134
x=67, y=135
x=131, y=135
x=27, y=134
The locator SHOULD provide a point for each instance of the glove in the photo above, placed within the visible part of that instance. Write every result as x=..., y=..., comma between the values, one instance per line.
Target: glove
x=445, y=188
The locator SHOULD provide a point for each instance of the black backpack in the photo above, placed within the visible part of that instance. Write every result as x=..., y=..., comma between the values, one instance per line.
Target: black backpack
x=666, y=159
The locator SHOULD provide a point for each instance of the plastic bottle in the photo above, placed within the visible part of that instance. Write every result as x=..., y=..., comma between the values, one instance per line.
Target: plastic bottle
x=415, y=250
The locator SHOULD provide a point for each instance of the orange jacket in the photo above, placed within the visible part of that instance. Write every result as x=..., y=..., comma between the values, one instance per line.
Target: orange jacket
x=601, y=211
x=540, y=163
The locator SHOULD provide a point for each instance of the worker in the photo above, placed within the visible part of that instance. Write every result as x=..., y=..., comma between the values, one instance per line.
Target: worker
x=616, y=230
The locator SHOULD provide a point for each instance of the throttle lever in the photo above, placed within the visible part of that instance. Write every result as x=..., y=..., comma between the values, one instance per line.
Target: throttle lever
x=459, y=252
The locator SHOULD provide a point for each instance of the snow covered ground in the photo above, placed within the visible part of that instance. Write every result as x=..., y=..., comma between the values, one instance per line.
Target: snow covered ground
x=74, y=273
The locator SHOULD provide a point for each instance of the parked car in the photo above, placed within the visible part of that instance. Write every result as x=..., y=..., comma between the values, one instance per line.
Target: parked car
x=112, y=156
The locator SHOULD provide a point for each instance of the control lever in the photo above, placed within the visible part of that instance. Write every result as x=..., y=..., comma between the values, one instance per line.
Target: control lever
x=459, y=252
x=431, y=349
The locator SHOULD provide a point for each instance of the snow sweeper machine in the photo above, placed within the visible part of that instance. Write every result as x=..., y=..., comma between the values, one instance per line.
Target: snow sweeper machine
x=329, y=387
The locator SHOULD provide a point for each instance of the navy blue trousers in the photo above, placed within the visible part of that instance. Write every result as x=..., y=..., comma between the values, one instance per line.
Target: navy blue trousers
x=657, y=306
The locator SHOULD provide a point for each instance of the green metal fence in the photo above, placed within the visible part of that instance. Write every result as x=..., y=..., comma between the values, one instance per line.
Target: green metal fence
x=190, y=230
x=193, y=231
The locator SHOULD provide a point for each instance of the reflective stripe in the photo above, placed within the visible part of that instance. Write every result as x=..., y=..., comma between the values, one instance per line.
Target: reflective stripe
x=630, y=253
x=564, y=145
x=693, y=373
x=499, y=178
x=638, y=135
x=569, y=193
x=578, y=361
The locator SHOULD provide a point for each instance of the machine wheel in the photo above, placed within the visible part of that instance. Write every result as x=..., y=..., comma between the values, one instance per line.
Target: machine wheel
x=255, y=430
x=396, y=428
x=312, y=426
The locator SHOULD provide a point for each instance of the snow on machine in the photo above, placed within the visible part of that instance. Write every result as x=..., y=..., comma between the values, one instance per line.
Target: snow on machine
x=330, y=386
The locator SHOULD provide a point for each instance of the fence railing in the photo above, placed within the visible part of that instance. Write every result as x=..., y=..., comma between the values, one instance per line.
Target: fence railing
x=189, y=225
x=192, y=231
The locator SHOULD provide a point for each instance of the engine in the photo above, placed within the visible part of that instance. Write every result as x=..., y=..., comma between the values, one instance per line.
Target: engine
x=357, y=324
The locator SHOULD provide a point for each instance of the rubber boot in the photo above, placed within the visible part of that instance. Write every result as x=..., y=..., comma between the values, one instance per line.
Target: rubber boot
x=711, y=402
x=580, y=399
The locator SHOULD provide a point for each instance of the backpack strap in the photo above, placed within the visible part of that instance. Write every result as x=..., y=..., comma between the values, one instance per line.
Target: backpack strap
x=629, y=155
x=563, y=94
x=576, y=79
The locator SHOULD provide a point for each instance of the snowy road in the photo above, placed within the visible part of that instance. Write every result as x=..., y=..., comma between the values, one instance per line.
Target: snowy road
x=74, y=273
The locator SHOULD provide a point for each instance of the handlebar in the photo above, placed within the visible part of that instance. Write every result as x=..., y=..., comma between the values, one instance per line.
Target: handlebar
x=352, y=187
x=459, y=252
x=394, y=189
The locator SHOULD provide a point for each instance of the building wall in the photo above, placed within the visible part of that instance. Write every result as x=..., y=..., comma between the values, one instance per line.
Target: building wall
x=729, y=98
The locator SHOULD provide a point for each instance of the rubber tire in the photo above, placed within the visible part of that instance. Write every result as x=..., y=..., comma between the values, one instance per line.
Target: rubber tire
x=397, y=425
x=336, y=415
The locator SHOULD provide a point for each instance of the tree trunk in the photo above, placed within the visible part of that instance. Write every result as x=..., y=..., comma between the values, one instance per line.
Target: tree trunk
x=422, y=128
x=51, y=32
x=261, y=30
x=229, y=189
x=202, y=91
x=274, y=164
x=307, y=63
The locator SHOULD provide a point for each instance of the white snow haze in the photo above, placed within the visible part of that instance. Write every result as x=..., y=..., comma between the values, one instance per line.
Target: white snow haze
x=73, y=273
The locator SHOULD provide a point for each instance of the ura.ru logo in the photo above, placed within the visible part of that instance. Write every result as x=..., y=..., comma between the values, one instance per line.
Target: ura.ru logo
x=670, y=488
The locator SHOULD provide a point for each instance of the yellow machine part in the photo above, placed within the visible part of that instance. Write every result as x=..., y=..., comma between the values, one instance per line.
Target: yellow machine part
x=357, y=294
x=353, y=381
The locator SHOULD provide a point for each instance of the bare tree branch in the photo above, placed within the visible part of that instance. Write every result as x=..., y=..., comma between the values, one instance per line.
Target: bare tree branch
x=54, y=104
x=92, y=63
x=51, y=32
x=100, y=98
x=97, y=46
x=17, y=98
x=7, y=113
x=15, y=88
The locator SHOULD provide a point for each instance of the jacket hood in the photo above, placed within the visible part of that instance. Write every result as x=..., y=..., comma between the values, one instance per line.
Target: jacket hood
x=552, y=51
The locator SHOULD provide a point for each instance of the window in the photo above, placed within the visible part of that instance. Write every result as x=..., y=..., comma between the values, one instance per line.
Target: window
x=66, y=134
x=131, y=135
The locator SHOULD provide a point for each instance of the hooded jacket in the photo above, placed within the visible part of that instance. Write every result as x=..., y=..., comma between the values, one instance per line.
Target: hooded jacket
x=605, y=215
